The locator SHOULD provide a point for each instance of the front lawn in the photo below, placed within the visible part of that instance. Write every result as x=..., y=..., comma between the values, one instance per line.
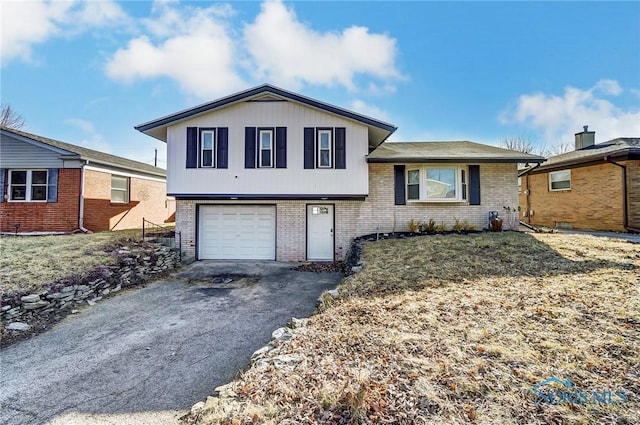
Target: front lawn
x=459, y=329
x=27, y=263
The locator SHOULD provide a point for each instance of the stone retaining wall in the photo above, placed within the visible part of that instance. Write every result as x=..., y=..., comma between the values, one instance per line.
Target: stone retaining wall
x=136, y=264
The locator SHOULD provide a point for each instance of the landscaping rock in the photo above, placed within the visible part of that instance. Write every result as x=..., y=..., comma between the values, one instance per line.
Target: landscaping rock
x=36, y=305
x=297, y=323
x=17, y=326
x=30, y=298
x=282, y=334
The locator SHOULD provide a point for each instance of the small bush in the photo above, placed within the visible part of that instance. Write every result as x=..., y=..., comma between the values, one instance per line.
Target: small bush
x=442, y=227
x=457, y=225
x=431, y=226
x=414, y=226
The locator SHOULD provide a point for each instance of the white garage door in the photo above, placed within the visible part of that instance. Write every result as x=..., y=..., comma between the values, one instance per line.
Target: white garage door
x=246, y=232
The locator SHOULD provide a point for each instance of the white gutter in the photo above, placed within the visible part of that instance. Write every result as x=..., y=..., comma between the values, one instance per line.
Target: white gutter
x=81, y=212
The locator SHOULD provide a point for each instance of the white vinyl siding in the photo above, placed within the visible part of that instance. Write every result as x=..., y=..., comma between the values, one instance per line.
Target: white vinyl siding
x=119, y=189
x=234, y=232
x=560, y=180
x=294, y=180
x=28, y=185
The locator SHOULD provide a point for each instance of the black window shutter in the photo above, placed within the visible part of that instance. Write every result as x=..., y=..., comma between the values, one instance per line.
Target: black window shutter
x=309, y=148
x=474, y=185
x=249, y=147
x=3, y=172
x=341, y=148
x=281, y=147
x=399, y=188
x=52, y=185
x=192, y=147
x=222, y=148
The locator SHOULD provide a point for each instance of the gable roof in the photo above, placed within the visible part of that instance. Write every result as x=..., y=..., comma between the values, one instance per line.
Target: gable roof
x=620, y=148
x=378, y=130
x=69, y=151
x=446, y=152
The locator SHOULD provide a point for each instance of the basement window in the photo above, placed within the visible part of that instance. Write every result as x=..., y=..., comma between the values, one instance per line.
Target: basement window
x=560, y=180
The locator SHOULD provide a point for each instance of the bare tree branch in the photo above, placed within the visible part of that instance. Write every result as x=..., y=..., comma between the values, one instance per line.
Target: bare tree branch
x=519, y=144
x=559, y=148
x=10, y=118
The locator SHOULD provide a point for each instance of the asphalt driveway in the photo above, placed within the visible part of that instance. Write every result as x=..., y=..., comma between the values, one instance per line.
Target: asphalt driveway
x=147, y=355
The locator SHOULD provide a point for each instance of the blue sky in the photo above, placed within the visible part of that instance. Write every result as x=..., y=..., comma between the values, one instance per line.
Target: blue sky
x=87, y=72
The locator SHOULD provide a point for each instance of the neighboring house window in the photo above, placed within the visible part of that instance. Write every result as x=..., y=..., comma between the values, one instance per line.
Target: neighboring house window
x=119, y=189
x=413, y=185
x=437, y=184
x=207, y=148
x=325, y=149
x=28, y=185
x=266, y=148
x=560, y=180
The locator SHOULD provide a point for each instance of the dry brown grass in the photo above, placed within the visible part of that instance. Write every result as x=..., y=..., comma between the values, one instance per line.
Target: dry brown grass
x=27, y=263
x=458, y=329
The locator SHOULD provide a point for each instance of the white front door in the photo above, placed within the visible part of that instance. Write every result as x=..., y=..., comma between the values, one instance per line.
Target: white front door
x=320, y=233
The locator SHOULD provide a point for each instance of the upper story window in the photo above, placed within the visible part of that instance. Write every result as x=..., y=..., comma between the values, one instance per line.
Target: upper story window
x=266, y=148
x=325, y=149
x=560, y=180
x=207, y=148
x=119, y=189
x=436, y=184
x=28, y=185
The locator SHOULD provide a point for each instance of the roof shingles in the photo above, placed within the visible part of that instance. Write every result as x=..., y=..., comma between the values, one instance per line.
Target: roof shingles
x=455, y=151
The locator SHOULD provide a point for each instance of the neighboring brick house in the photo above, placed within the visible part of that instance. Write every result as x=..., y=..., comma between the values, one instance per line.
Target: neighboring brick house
x=270, y=174
x=51, y=186
x=596, y=186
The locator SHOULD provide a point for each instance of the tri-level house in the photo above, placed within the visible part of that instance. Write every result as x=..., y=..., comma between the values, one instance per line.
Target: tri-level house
x=270, y=174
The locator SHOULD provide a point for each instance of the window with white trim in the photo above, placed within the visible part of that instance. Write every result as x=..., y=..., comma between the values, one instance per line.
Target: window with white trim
x=207, y=148
x=413, y=185
x=325, y=149
x=28, y=185
x=265, y=140
x=560, y=180
x=119, y=189
x=437, y=183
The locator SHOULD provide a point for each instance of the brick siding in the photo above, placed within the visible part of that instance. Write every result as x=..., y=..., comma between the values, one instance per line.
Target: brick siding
x=147, y=198
x=377, y=214
x=595, y=200
x=60, y=216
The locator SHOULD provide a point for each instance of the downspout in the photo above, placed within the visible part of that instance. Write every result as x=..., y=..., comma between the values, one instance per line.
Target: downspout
x=625, y=207
x=525, y=173
x=81, y=210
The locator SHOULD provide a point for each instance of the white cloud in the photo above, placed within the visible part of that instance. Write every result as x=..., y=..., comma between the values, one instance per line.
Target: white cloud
x=369, y=110
x=287, y=52
x=558, y=117
x=90, y=138
x=48, y=19
x=189, y=45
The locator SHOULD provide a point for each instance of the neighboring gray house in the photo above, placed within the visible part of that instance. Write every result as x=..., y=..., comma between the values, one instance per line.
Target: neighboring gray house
x=270, y=174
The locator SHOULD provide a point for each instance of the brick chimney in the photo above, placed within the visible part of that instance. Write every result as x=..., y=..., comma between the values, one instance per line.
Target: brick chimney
x=585, y=138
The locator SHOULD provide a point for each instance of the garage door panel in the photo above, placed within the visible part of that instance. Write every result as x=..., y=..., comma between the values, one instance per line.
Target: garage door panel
x=237, y=232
